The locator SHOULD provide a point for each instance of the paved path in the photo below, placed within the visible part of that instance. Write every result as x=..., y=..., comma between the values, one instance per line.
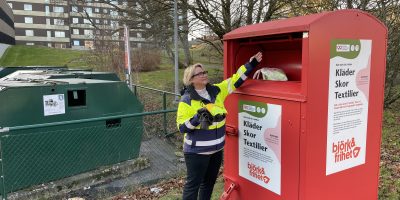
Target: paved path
x=163, y=164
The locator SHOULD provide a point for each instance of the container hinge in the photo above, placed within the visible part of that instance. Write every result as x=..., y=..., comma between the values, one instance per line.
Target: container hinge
x=231, y=130
x=228, y=192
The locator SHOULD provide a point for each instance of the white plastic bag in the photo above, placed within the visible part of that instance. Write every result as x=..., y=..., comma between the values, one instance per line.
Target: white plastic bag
x=272, y=74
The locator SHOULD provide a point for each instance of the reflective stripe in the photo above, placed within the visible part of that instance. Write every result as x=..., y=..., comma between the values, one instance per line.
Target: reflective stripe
x=206, y=143
x=216, y=123
x=189, y=125
x=230, y=90
x=243, y=77
x=213, y=126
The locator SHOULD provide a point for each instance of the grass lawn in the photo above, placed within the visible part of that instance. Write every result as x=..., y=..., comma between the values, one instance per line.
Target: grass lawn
x=389, y=182
x=163, y=79
x=20, y=55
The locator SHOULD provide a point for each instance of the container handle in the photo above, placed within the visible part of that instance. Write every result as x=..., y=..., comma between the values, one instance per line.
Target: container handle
x=233, y=186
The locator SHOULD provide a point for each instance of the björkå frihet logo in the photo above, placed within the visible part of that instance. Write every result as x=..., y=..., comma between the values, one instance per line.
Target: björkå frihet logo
x=344, y=150
x=258, y=172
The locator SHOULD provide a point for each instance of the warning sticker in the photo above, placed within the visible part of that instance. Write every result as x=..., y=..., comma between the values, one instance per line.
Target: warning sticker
x=53, y=104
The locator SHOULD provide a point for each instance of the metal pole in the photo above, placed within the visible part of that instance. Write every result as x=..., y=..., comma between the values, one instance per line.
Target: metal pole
x=176, y=50
x=127, y=58
x=165, y=114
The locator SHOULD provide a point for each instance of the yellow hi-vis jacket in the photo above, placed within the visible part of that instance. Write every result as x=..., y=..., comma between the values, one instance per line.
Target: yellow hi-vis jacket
x=197, y=140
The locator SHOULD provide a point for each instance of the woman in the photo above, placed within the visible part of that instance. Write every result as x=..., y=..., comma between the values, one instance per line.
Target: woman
x=201, y=117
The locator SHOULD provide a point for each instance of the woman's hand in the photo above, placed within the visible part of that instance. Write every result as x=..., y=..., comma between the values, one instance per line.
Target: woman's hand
x=258, y=57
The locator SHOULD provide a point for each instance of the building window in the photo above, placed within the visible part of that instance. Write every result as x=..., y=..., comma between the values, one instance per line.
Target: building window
x=48, y=34
x=75, y=31
x=27, y=6
x=114, y=24
x=115, y=36
x=30, y=43
x=75, y=9
x=97, y=21
x=58, y=22
x=88, y=44
x=75, y=20
x=139, y=35
x=105, y=10
x=29, y=32
x=105, y=21
x=28, y=20
x=96, y=10
x=58, y=9
x=86, y=21
x=77, y=43
x=48, y=21
x=60, y=45
x=113, y=13
x=60, y=34
x=47, y=8
x=88, y=32
x=89, y=11
x=10, y=4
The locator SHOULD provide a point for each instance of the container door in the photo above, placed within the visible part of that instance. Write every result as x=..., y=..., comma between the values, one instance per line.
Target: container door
x=262, y=147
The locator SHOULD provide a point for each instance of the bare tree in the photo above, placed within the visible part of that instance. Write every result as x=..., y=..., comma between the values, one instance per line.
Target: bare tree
x=155, y=19
x=388, y=12
x=223, y=16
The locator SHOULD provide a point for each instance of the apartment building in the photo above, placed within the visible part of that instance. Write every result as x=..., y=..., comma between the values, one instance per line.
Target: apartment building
x=7, y=31
x=64, y=23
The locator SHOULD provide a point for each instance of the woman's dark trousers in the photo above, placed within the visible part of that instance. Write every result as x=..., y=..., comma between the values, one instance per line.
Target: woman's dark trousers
x=202, y=172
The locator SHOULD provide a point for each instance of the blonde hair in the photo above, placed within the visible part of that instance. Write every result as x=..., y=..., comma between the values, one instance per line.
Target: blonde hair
x=189, y=72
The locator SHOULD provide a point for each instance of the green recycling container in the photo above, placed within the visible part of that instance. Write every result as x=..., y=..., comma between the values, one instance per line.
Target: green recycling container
x=55, y=123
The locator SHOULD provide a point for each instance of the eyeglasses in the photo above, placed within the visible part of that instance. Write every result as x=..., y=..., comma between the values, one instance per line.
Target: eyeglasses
x=203, y=73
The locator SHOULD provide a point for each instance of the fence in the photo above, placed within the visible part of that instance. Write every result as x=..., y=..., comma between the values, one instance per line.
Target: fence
x=149, y=101
x=41, y=153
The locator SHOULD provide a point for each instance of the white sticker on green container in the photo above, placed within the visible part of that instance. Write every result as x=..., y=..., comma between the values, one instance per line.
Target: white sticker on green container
x=349, y=78
x=53, y=104
x=260, y=144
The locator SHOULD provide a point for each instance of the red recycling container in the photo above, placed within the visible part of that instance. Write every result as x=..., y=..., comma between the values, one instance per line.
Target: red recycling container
x=316, y=136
